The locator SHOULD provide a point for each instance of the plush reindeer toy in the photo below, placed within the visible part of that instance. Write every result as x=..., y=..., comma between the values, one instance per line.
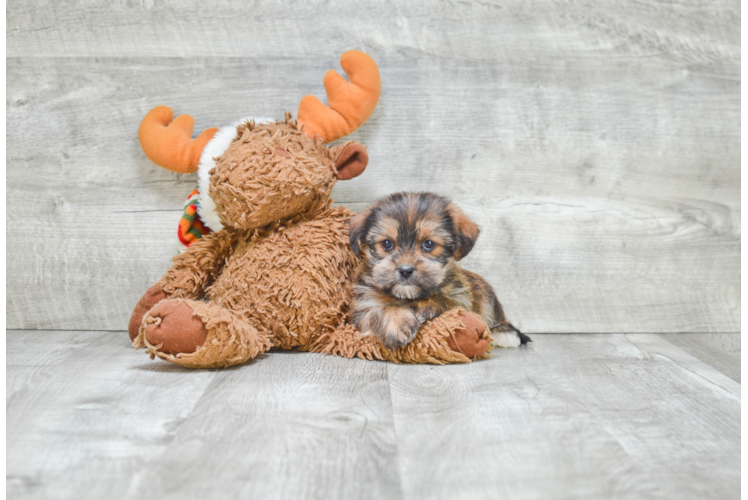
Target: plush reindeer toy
x=274, y=267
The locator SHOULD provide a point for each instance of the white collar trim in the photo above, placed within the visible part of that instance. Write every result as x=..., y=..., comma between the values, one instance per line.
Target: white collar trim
x=215, y=148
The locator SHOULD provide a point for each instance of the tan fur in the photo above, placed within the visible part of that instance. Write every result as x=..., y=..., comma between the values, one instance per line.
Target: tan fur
x=464, y=226
x=280, y=273
x=431, y=344
x=253, y=185
x=410, y=243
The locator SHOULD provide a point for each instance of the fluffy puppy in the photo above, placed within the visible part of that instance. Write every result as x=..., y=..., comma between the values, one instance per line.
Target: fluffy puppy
x=411, y=243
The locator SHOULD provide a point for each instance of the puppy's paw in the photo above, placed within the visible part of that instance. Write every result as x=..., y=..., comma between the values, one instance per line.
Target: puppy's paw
x=506, y=339
x=507, y=335
x=398, y=328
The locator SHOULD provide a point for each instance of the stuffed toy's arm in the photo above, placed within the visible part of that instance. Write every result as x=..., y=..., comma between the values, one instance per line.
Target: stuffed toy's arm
x=454, y=336
x=195, y=269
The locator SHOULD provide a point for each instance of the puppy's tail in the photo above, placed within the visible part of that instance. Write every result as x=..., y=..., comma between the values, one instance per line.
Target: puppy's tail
x=508, y=327
x=523, y=339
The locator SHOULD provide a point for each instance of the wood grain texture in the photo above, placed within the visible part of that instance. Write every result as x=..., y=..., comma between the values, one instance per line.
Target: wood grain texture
x=85, y=414
x=593, y=416
x=569, y=416
x=88, y=416
x=607, y=190
x=290, y=427
x=596, y=143
x=719, y=350
x=700, y=30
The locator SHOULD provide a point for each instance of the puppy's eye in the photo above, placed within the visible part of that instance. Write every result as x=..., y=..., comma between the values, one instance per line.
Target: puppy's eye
x=428, y=245
x=388, y=245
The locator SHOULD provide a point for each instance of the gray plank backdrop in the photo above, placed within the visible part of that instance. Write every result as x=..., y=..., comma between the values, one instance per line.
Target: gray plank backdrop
x=597, y=144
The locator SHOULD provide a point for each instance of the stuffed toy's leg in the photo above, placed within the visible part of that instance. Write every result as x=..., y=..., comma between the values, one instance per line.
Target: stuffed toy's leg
x=199, y=334
x=455, y=336
x=191, y=273
x=150, y=298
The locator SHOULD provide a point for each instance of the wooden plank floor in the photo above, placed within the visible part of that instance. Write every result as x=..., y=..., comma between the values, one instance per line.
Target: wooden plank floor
x=570, y=416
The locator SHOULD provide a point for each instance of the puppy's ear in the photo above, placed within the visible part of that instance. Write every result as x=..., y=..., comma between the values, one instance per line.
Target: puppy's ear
x=466, y=231
x=351, y=160
x=357, y=230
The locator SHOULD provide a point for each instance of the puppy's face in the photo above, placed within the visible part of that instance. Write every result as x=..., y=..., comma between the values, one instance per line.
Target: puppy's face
x=409, y=241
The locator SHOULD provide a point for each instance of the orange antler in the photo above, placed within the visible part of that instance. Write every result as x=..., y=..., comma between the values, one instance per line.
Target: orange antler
x=169, y=143
x=349, y=103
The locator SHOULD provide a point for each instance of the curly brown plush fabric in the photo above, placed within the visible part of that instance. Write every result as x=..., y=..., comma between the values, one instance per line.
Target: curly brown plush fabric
x=279, y=273
x=271, y=172
x=433, y=343
x=230, y=339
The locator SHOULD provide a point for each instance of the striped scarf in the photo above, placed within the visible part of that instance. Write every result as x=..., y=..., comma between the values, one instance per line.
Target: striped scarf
x=191, y=228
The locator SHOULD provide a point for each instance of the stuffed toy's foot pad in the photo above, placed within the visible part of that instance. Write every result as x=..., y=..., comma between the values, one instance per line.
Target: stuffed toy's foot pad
x=469, y=340
x=171, y=324
x=150, y=298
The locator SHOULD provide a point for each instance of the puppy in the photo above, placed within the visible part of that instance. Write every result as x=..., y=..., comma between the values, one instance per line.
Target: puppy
x=410, y=243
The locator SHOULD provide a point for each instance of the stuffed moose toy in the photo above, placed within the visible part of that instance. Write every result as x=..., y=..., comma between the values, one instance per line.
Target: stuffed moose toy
x=275, y=267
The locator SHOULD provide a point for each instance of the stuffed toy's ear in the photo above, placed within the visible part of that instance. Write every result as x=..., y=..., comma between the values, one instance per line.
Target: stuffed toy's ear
x=466, y=231
x=351, y=161
x=357, y=230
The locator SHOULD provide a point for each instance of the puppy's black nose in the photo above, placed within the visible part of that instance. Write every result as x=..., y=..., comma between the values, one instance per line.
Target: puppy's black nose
x=406, y=270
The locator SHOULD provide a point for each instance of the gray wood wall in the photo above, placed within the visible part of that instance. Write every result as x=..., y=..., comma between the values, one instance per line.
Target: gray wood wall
x=596, y=143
